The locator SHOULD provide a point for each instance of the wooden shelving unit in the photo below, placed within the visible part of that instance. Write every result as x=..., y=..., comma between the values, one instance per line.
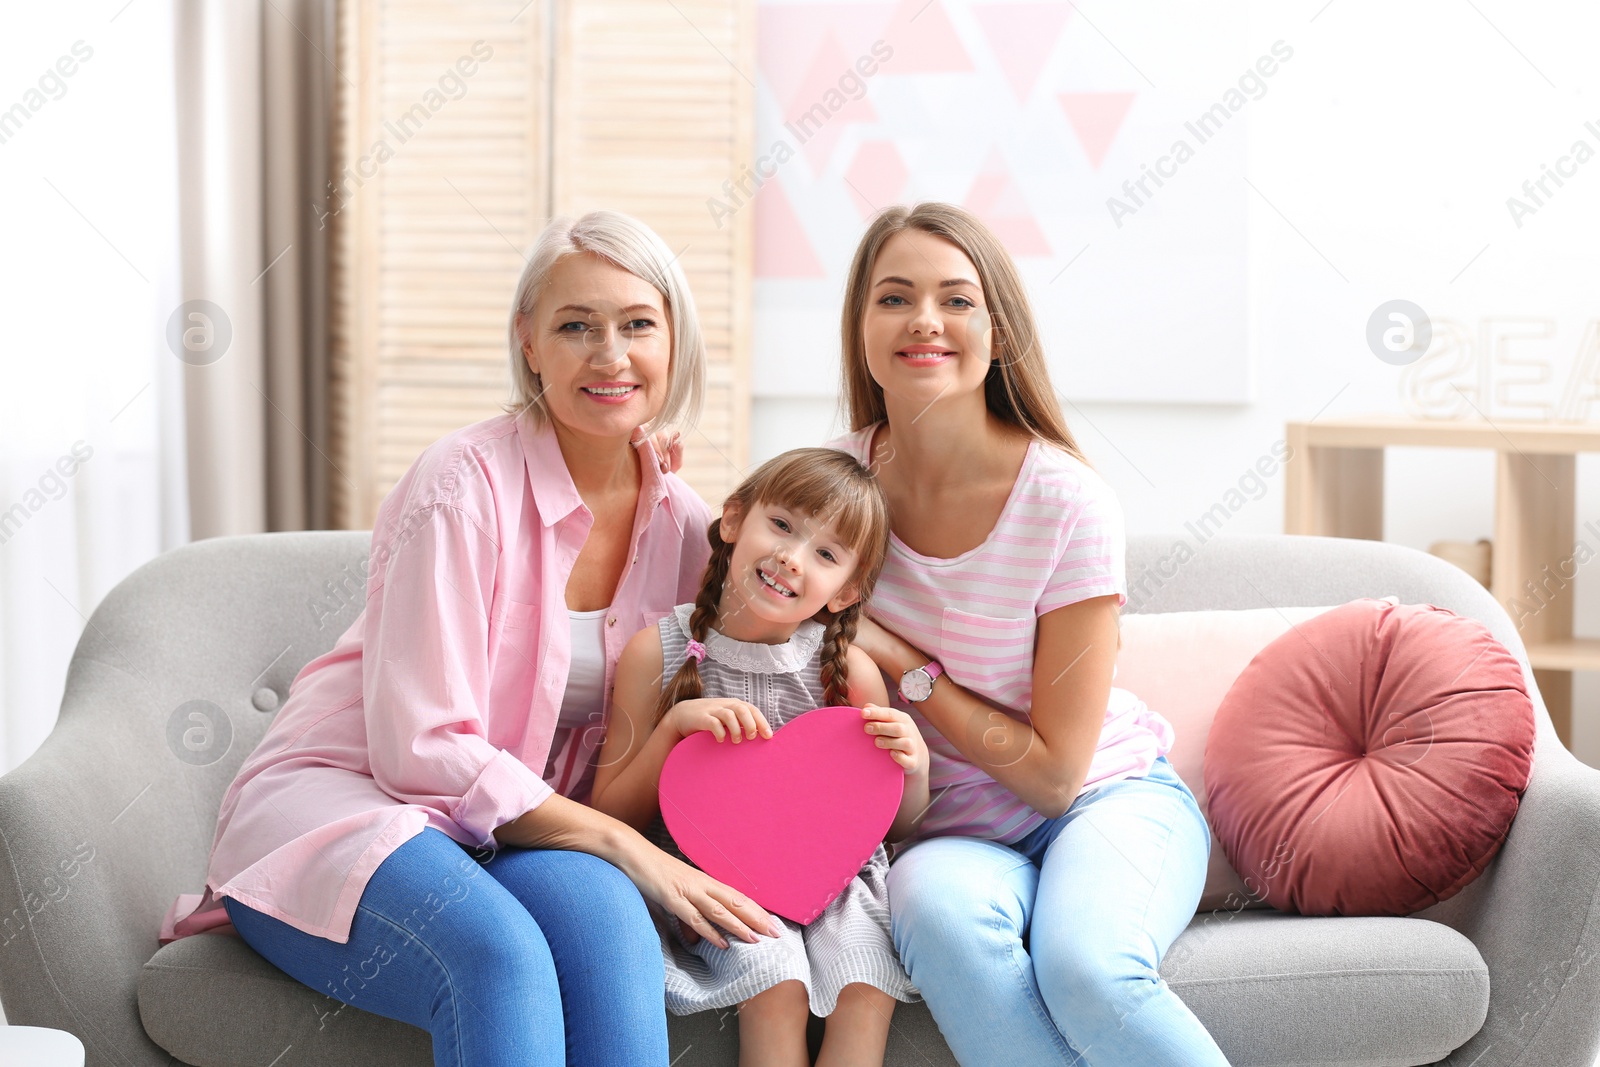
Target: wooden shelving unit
x=1334, y=488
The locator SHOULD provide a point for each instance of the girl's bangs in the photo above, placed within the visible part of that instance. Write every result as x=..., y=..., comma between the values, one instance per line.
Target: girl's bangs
x=830, y=492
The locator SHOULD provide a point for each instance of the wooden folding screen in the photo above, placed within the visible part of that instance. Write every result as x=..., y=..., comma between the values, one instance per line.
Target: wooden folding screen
x=462, y=128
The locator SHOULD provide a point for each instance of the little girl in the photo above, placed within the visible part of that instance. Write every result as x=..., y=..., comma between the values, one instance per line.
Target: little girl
x=793, y=556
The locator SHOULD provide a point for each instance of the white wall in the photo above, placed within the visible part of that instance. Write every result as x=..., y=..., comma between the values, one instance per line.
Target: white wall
x=1381, y=162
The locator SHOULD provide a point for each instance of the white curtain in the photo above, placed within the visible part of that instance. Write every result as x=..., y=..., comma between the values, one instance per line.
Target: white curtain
x=161, y=278
x=92, y=476
x=253, y=83
x=222, y=271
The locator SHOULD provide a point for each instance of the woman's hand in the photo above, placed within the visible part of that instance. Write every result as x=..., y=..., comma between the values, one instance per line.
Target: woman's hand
x=700, y=903
x=695, y=898
x=719, y=716
x=896, y=732
x=668, y=445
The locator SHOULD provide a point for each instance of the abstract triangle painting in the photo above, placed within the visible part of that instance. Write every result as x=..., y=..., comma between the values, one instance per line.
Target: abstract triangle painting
x=1104, y=151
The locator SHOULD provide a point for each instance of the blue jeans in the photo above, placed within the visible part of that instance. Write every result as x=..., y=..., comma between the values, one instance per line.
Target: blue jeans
x=521, y=956
x=1046, y=951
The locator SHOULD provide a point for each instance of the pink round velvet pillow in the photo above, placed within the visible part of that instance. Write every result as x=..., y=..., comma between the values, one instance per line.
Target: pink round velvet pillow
x=1370, y=760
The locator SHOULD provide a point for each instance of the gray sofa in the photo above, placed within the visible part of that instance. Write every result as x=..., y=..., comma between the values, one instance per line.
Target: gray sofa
x=113, y=816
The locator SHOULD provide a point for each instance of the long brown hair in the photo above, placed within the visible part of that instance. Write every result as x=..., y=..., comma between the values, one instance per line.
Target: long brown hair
x=1017, y=389
x=828, y=486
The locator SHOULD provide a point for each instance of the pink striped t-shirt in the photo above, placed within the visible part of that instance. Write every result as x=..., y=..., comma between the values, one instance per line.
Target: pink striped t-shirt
x=1060, y=539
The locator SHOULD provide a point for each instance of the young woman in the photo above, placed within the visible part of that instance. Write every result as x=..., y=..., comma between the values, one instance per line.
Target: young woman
x=1060, y=855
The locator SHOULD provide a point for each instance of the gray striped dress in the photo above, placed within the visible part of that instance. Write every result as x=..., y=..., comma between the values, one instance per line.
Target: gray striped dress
x=849, y=942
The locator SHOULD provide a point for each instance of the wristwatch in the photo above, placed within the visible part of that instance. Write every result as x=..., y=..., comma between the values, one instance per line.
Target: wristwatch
x=916, y=685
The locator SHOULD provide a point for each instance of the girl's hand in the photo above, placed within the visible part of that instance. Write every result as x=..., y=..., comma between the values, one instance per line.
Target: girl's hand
x=720, y=717
x=896, y=732
x=700, y=903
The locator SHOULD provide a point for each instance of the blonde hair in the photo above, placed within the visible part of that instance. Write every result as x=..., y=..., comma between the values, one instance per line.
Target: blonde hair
x=1017, y=389
x=828, y=485
x=629, y=244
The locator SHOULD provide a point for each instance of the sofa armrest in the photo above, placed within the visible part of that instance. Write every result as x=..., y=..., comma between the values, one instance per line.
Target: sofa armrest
x=1532, y=916
x=113, y=817
x=96, y=835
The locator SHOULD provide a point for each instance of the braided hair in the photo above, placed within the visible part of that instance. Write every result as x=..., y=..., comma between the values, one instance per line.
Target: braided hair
x=823, y=483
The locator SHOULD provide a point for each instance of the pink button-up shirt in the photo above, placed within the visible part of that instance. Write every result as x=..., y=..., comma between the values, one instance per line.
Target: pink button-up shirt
x=438, y=706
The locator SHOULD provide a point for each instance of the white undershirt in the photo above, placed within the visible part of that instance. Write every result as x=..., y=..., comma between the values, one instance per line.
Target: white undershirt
x=584, y=698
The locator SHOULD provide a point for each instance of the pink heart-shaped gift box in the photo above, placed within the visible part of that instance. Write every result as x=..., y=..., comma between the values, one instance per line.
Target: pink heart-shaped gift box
x=789, y=820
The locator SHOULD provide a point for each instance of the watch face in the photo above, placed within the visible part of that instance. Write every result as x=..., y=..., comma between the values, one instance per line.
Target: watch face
x=916, y=685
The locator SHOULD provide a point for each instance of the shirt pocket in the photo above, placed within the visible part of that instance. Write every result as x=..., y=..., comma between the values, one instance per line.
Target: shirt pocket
x=984, y=652
x=514, y=629
x=508, y=614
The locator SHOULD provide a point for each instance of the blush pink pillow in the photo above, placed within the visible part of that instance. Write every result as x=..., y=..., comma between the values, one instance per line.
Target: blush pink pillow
x=1181, y=664
x=1370, y=761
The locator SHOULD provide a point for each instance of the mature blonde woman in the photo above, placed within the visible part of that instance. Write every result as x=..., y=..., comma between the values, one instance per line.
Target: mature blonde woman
x=410, y=836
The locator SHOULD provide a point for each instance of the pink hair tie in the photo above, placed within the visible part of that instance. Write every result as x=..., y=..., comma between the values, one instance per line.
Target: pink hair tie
x=697, y=650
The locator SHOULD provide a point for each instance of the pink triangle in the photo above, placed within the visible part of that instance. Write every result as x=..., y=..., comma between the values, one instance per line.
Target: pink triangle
x=876, y=177
x=1096, y=117
x=923, y=40
x=782, y=248
x=788, y=36
x=1022, y=36
x=996, y=199
x=821, y=110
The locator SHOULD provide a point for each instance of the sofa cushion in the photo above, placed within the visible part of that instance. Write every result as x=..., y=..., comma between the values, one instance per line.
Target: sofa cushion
x=1271, y=988
x=213, y=1001
x=1276, y=989
x=1370, y=762
x=1181, y=664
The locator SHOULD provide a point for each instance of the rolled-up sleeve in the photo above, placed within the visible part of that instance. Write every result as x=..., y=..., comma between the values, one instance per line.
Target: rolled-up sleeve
x=425, y=676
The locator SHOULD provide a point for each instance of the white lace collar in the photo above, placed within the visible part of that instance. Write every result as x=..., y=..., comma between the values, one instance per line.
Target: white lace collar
x=754, y=656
